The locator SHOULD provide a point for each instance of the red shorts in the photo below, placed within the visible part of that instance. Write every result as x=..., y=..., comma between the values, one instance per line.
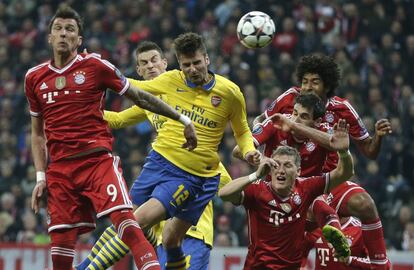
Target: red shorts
x=77, y=188
x=339, y=196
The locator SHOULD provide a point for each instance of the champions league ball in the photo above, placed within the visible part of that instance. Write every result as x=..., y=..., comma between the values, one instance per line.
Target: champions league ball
x=256, y=29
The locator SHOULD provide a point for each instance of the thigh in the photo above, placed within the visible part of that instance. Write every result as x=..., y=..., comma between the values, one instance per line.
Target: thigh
x=198, y=252
x=192, y=212
x=339, y=196
x=67, y=208
x=104, y=183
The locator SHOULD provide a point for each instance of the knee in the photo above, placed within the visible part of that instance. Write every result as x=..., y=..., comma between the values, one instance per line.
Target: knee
x=363, y=206
x=170, y=239
x=64, y=238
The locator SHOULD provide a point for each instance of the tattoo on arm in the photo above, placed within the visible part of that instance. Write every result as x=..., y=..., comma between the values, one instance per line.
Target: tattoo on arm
x=151, y=103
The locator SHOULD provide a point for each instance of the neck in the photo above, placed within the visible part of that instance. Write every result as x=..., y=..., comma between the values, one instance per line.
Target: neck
x=281, y=192
x=61, y=60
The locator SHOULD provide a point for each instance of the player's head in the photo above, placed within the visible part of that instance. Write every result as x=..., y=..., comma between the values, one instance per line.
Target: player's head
x=65, y=30
x=192, y=57
x=150, y=60
x=286, y=170
x=308, y=110
x=318, y=73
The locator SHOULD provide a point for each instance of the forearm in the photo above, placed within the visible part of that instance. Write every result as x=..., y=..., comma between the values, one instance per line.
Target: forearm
x=151, y=103
x=343, y=171
x=236, y=153
x=125, y=118
x=370, y=147
x=244, y=142
x=320, y=137
x=233, y=191
x=39, y=152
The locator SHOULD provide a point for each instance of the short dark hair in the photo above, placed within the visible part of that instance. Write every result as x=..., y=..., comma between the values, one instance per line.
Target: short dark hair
x=147, y=45
x=188, y=44
x=284, y=150
x=312, y=102
x=66, y=12
x=322, y=65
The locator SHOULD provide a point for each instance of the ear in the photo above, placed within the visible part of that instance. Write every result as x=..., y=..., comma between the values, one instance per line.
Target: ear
x=298, y=171
x=318, y=122
x=207, y=59
x=49, y=39
x=80, y=39
x=165, y=63
x=139, y=71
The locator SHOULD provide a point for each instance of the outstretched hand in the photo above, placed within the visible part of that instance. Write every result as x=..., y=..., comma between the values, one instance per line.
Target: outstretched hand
x=340, y=138
x=281, y=122
x=383, y=127
x=190, y=136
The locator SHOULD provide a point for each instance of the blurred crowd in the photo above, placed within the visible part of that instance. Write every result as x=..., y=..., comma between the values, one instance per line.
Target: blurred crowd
x=371, y=40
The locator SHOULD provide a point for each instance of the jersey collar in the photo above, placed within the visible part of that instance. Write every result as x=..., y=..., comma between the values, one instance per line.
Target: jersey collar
x=206, y=87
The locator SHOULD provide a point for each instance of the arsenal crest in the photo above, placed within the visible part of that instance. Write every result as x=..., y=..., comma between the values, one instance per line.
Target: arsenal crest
x=215, y=101
x=60, y=82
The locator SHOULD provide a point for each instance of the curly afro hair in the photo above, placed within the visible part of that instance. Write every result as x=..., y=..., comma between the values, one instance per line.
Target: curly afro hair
x=322, y=65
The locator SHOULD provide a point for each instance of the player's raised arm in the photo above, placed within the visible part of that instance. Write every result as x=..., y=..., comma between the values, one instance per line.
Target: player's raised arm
x=327, y=141
x=345, y=168
x=152, y=103
x=233, y=191
x=125, y=118
x=371, y=146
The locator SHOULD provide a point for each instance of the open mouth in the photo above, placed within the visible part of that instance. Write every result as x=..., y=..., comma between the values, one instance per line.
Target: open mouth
x=281, y=178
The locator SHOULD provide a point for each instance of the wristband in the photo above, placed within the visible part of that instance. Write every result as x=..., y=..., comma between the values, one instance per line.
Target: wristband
x=344, y=154
x=40, y=176
x=184, y=119
x=252, y=177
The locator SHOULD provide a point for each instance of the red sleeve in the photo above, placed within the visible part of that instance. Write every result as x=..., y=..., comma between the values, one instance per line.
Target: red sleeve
x=110, y=77
x=284, y=103
x=357, y=128
x=34, y=105
x=331, y=162
x=310, y=239
x=263, y=132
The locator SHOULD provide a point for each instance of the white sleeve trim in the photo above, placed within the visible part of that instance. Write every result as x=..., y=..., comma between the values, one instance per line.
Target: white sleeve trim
x=35, y=114
x=126, y=87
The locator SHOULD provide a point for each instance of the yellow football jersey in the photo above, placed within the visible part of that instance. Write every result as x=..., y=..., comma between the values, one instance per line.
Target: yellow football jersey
x=210, y=110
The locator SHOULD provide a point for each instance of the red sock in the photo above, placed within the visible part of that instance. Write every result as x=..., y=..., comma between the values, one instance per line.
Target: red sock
x=373, y=236
x=63, y=248
x=324, y=214
x=132, y=235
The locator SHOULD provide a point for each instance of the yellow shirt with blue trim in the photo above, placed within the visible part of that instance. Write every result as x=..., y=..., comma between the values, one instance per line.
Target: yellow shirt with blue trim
x=210, y=110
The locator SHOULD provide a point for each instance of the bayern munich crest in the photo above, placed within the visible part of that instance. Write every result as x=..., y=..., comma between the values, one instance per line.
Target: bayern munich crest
x=296, y=199
x=329, y=117
x=215, y=101
x=310, y=146
x=79, y=77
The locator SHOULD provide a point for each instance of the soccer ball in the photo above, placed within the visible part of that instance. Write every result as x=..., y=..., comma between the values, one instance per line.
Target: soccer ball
x=255, y=29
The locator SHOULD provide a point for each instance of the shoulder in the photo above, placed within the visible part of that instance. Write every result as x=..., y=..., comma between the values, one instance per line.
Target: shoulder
x=96, y=60
x=37, y=69
x=289, y=94
x=223, y=82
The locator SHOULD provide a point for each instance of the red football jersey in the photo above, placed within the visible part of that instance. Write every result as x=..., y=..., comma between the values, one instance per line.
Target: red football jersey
x=71, y=102
x=325, y=254
x=312, y=155
x=276, y=224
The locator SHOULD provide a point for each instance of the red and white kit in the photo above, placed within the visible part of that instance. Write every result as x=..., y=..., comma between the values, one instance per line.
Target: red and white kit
x=71, y=102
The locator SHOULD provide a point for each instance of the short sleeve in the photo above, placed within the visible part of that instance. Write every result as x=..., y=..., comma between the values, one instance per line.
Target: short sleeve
x=263, y=132
x=283, y=104
x=316, y=185
x=110, y=77
x=249, y=197
x=357, y=128
x=34, y=106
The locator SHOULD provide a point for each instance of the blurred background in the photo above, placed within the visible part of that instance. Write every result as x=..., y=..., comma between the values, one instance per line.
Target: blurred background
x=371, y=40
